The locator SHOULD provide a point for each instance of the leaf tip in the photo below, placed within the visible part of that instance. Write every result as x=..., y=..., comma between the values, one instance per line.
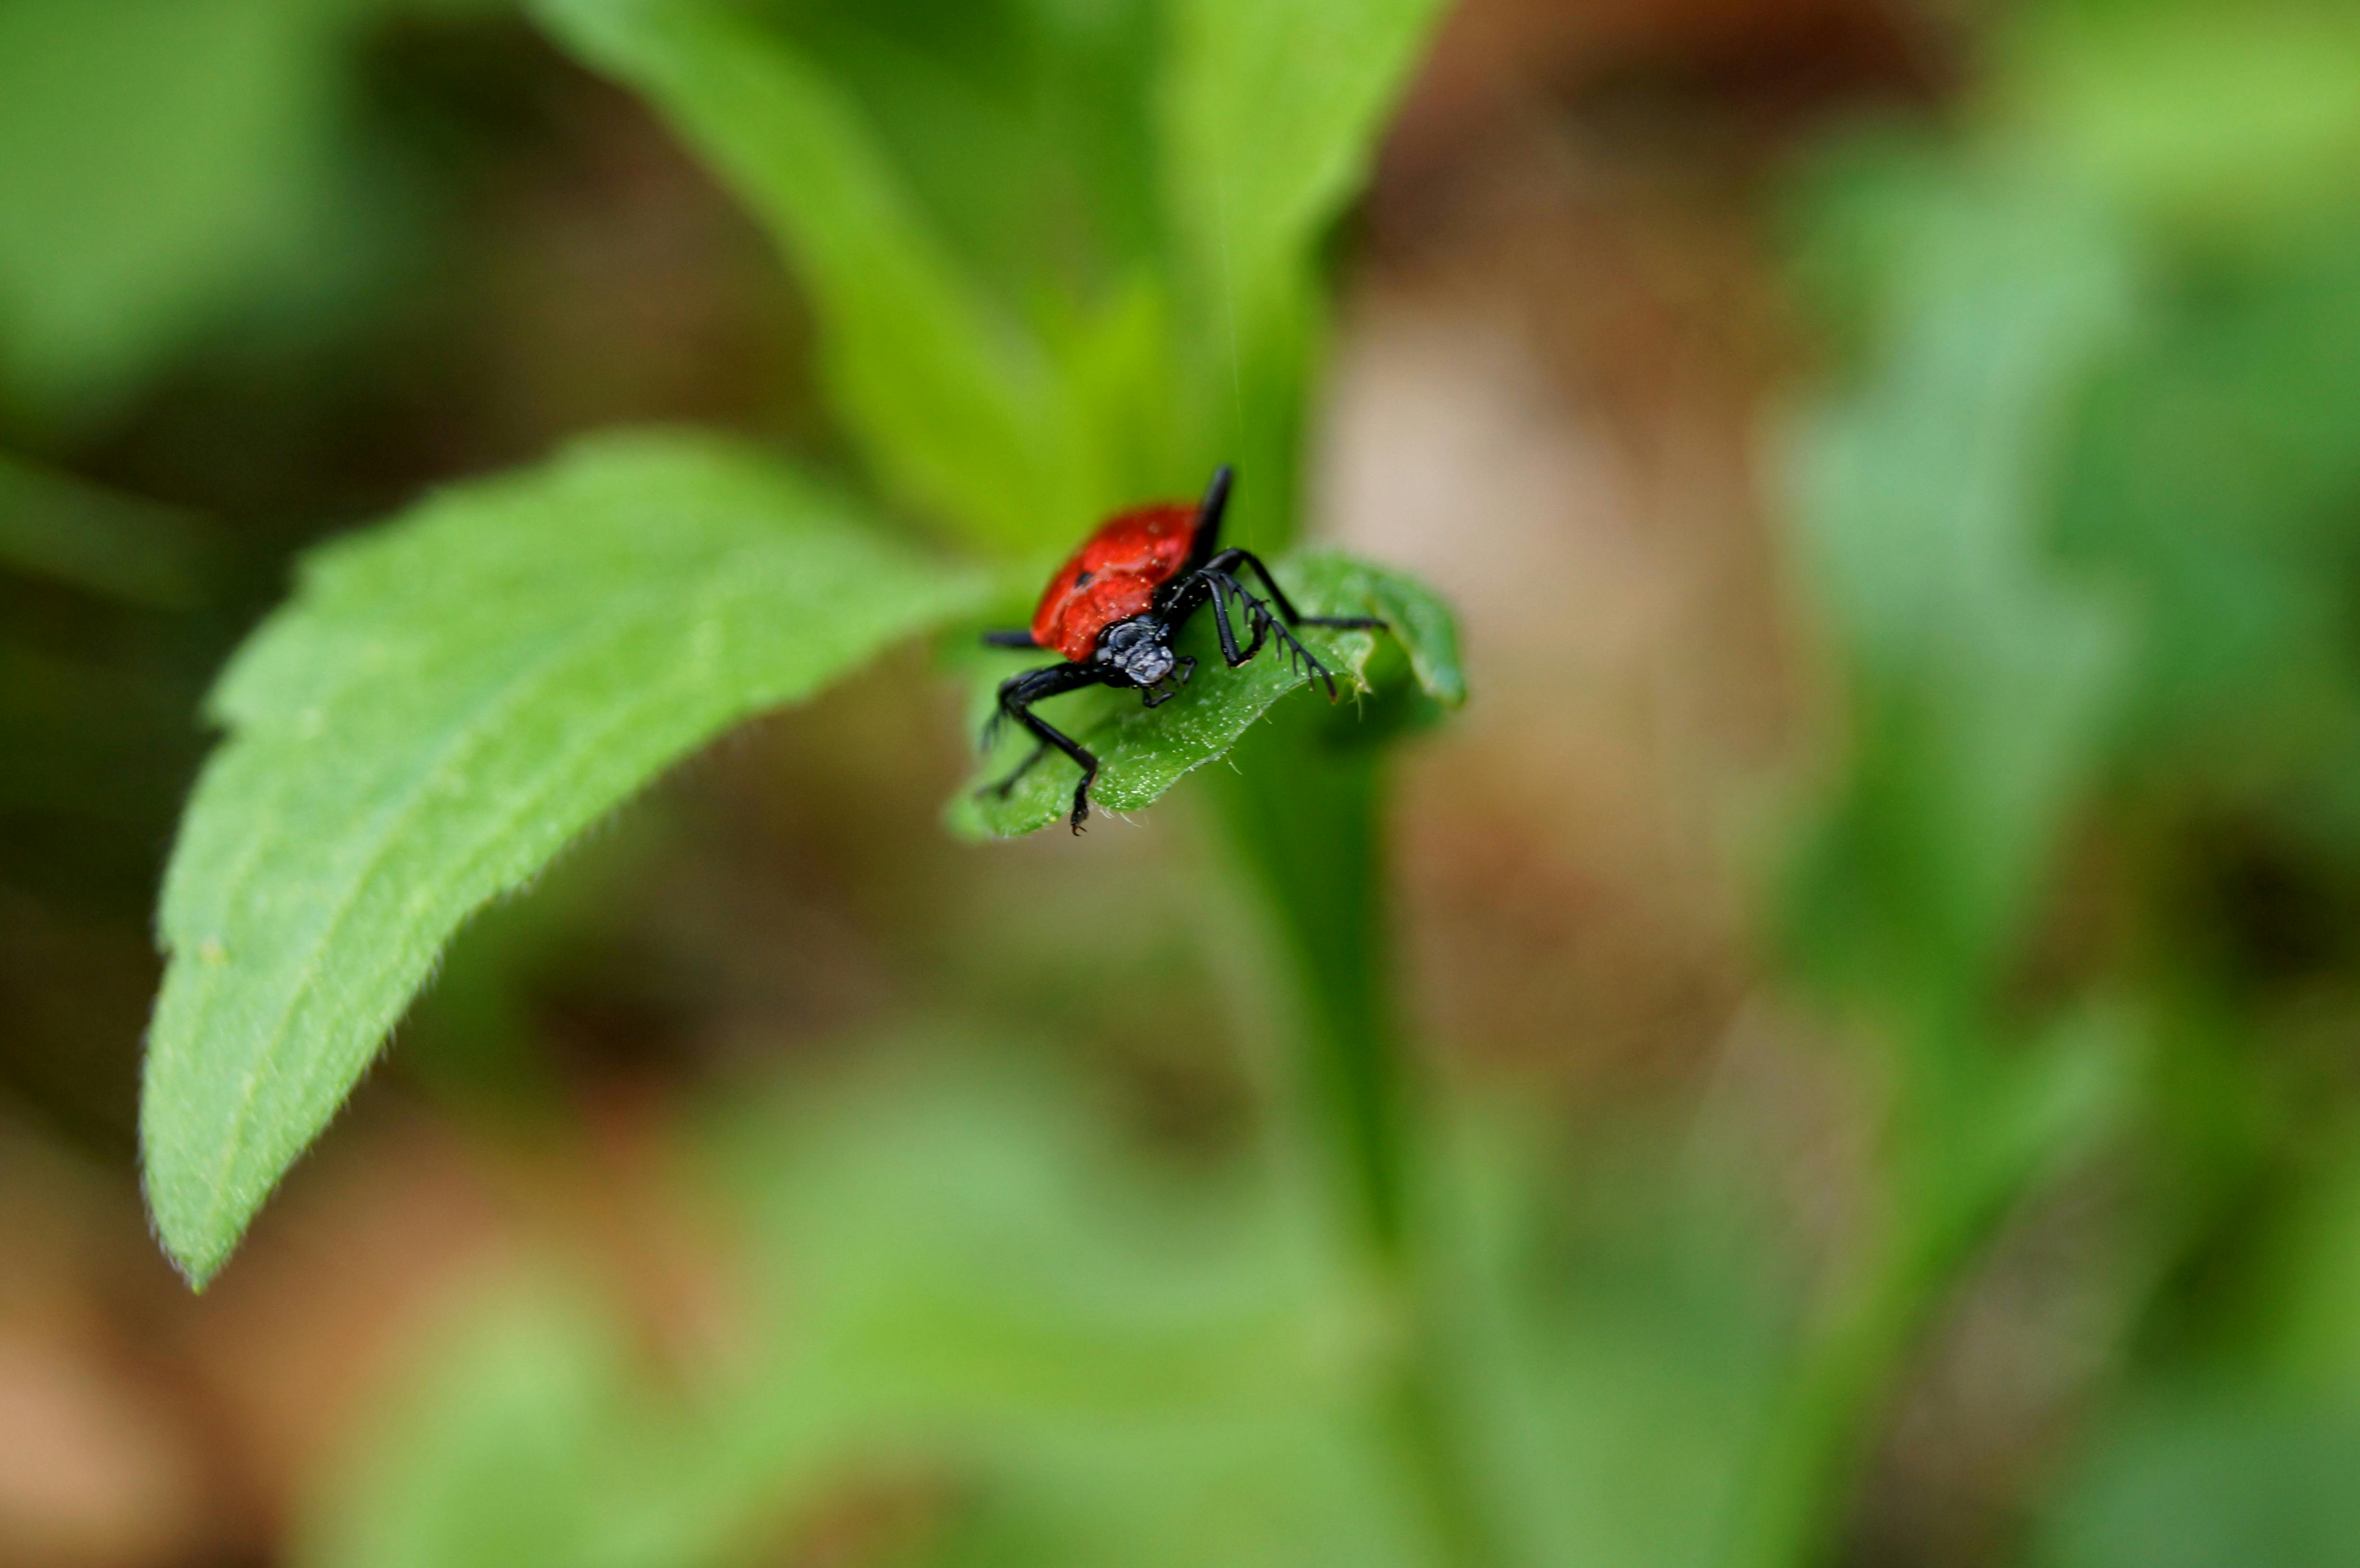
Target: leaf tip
x=196, y=1252
x=195, y=1229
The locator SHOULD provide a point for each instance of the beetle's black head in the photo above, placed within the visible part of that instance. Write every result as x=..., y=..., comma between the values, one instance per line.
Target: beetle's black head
x=1140, y=648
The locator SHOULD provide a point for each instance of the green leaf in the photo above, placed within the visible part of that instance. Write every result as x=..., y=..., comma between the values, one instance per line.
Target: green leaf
x=1272, y=109
x=1142, y=752
x=443, y=706
x=954, y=403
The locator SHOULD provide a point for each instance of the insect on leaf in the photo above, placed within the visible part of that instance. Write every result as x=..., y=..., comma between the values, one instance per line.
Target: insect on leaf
x=1142, y=752
x=444, y=705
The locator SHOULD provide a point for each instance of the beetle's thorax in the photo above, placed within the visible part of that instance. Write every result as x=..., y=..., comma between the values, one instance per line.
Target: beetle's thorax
x=1140, y=648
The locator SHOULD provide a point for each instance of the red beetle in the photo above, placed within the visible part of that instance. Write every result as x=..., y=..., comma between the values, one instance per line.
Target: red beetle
x=1116, y=605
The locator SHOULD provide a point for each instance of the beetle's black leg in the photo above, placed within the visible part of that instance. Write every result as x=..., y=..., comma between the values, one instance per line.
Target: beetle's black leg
x=1231, y=561
x=1193, y=593
x=1016, y=637
x=1017, y=696
x=1257, y=618
x=1266, y=621
x=1223, y=629
x=1179, y=600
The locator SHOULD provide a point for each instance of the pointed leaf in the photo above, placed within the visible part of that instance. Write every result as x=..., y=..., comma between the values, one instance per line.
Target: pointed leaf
x=445, y=703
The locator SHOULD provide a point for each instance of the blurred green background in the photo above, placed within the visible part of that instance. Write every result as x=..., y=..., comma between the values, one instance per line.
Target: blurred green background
x=1885, y=941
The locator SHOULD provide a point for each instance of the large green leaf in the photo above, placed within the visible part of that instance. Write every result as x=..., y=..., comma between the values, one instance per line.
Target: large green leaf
x=1142, y=752
x=443, y=706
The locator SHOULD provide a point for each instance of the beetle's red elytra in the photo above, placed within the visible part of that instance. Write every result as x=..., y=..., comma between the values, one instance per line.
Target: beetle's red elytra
x=1114, y=576
x=1113, y=609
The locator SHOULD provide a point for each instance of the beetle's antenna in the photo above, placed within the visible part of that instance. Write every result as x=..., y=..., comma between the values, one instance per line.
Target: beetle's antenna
x=1210, y=509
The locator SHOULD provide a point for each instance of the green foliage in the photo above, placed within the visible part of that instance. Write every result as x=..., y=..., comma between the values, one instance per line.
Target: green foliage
x=957, y=1290
x=1979, y=679
x=2217, y=123
x=1142, y=752
x=171, y=159
x=2075, y=520
x=443, y=705
x=957, y=408
x=52, y=526
x=2208, y=1480
x=1270, y=110
x=1016, y=222
x=533, y=1437
x=1033, y=308
x=2080, y=522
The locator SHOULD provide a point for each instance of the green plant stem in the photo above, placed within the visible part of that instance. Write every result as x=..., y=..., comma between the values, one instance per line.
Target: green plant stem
x=1304, y=817
x=1303, y=811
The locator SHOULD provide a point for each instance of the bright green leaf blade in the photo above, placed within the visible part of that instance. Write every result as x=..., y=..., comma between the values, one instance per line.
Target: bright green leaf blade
x=955, y=405
x=443, y=705
x=1142, y=752
x=1273, y=109
x=1271, y=114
